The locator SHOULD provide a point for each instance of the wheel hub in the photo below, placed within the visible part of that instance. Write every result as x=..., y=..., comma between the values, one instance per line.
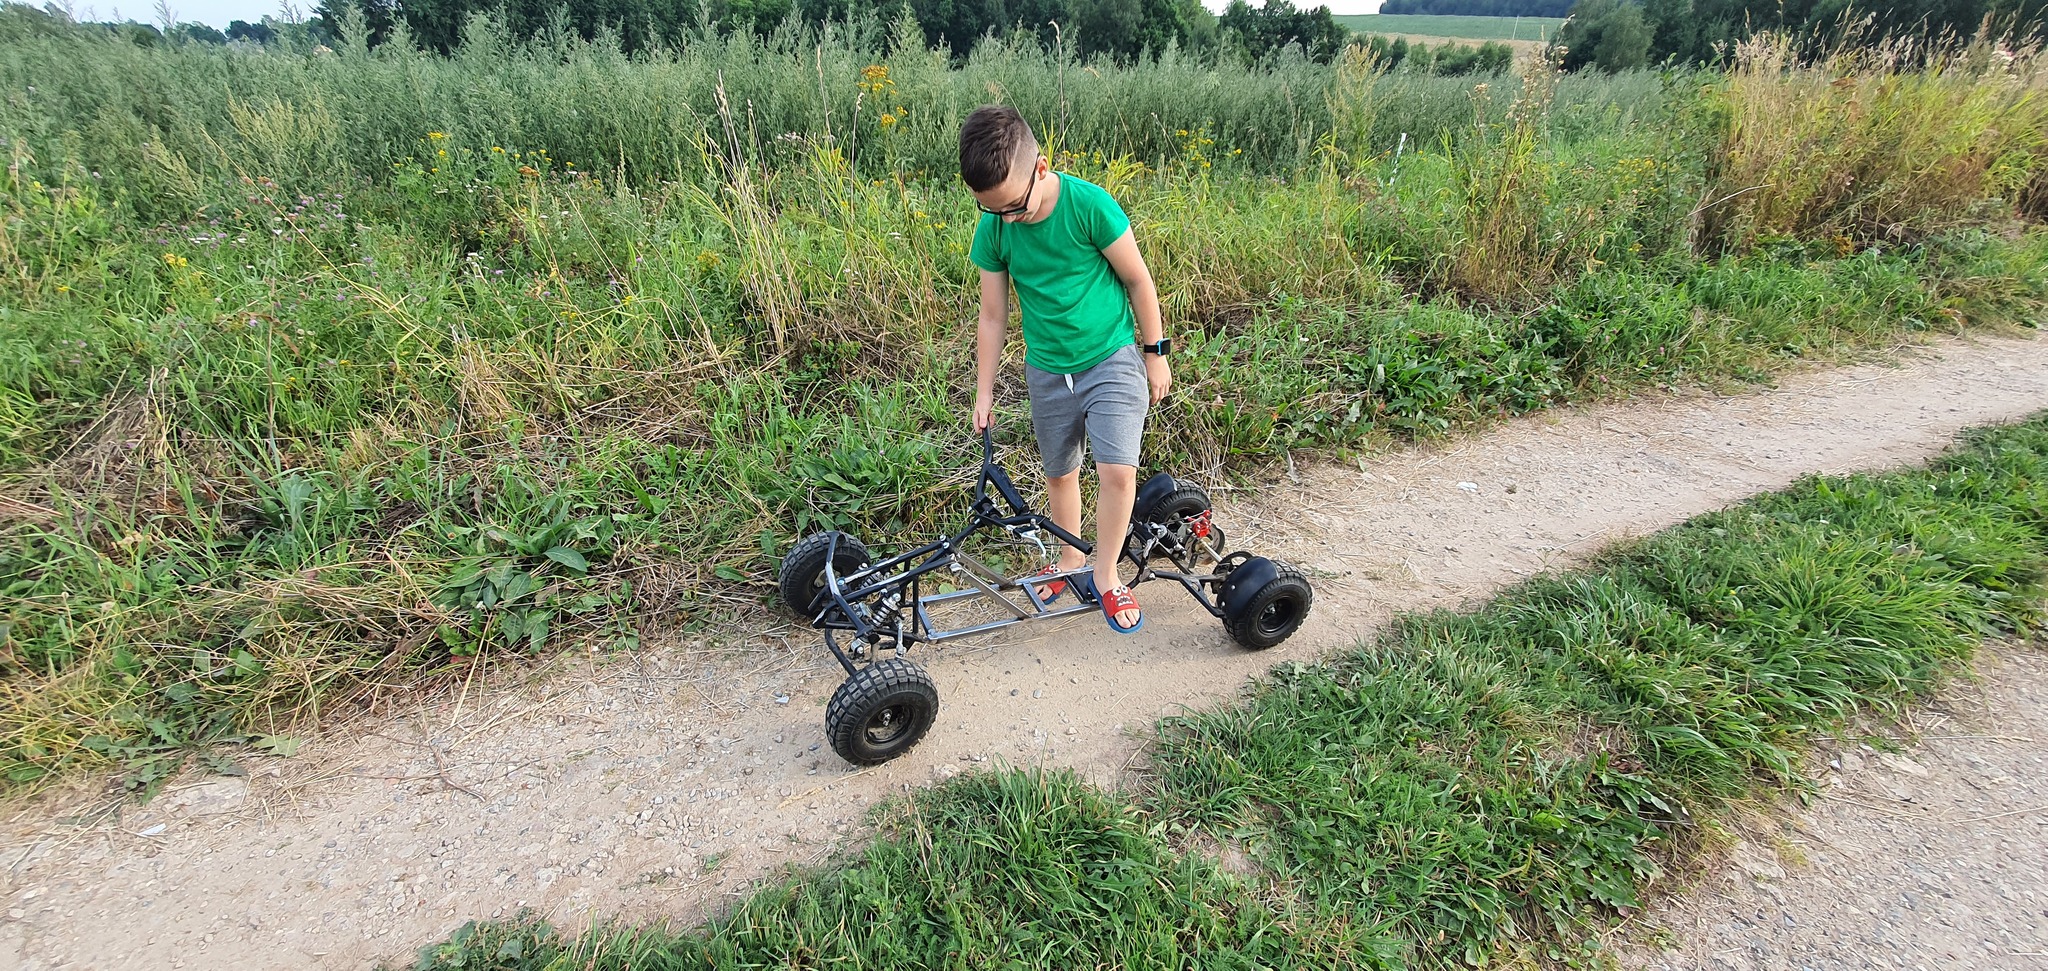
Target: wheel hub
x=886, y=725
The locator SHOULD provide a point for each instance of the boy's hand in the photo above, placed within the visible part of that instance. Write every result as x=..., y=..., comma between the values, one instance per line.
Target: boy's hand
x=1158, y=376
x=984, y=412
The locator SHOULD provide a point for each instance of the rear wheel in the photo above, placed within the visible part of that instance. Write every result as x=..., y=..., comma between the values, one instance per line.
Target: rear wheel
x=802, y=577
x=1273, y=612
x=881, y=711
x=1186, y=501
x=1175, y=509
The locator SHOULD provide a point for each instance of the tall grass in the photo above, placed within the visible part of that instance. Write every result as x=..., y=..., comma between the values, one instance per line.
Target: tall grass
x=1488, y=788
x=170, y=122
x=1874, y=145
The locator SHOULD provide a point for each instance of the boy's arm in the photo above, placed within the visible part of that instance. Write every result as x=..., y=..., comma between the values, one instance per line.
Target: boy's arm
x=1130, y=267
x=990, y=333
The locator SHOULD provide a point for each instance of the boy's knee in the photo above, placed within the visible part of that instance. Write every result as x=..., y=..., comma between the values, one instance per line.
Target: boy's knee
x=1070, y=480
x=1117, y=476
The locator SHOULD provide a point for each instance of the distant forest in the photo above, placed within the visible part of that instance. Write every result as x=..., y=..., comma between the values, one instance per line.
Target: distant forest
x=1479, y=8
x=1612, y=35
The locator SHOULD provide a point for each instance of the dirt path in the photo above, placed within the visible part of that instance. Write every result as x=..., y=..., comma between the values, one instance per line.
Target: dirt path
x=1934, y=856
x=656, y=786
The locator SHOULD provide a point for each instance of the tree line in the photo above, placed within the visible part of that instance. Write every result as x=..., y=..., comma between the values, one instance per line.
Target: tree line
x=1122, y=29
x=19, y=21
x=1617, y=35
x=1479, y=8
x=1612, y=35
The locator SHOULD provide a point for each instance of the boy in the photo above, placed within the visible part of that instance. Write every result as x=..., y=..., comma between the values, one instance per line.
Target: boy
x=1083, y=288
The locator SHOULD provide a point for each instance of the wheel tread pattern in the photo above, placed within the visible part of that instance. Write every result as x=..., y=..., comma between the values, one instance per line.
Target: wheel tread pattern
x=860, y=695
x=1186, y=493
x=804, y=560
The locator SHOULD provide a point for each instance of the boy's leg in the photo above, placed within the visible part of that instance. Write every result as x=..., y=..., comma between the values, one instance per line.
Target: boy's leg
x=1115, y=492
x=1063, y=494
x=1119, y=399
x=1058, y=421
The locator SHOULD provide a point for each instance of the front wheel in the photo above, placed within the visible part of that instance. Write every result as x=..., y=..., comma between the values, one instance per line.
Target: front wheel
x=881, y=711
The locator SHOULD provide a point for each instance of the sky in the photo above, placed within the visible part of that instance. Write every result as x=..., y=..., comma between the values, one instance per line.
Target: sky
x=220, y=12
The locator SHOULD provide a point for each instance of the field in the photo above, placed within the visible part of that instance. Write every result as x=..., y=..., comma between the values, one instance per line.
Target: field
x=325, y=375
x=1467, y=29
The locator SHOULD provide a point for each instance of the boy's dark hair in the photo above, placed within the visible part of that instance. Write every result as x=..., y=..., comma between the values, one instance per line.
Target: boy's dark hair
x=992, y=139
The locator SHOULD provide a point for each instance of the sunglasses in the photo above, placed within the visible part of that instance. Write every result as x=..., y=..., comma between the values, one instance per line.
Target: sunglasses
x=1020, y=208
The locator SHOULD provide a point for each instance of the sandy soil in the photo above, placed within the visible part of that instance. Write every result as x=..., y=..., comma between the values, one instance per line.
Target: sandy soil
x=659, y=785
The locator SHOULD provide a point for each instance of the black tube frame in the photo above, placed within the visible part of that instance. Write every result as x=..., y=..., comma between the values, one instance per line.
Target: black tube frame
x=841, y=606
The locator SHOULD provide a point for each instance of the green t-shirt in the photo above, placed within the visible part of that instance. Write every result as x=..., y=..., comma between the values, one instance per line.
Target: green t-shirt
x=1076, y=312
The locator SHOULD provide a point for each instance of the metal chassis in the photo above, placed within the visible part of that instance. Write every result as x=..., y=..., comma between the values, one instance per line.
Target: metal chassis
x=844, y=605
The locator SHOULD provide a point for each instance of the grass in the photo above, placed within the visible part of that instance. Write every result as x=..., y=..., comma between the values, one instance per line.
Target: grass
x=1505, y=780
x=1482, y=788
x=302, y=402
x=1458, y=27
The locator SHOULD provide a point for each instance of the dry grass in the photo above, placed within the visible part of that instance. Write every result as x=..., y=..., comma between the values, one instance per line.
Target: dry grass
x=1869, y=145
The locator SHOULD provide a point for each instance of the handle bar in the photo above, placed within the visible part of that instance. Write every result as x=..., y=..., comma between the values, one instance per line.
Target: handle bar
x=993, y=473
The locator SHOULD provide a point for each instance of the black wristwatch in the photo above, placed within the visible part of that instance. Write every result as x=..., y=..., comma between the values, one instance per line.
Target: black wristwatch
x=1163, y=348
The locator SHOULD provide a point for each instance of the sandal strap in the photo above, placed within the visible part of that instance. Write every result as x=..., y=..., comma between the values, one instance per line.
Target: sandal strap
x=1054, y=585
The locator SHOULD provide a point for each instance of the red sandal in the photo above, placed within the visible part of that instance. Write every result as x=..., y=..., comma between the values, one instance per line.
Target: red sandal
x=1051, y=589
x=1116, y=601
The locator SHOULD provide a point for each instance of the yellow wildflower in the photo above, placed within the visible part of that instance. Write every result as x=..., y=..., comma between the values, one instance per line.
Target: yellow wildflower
x=437, y=136
x=888, y=120
x=874, y=79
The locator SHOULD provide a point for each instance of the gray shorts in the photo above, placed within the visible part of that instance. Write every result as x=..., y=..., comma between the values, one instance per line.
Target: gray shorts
x=1107, y=402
